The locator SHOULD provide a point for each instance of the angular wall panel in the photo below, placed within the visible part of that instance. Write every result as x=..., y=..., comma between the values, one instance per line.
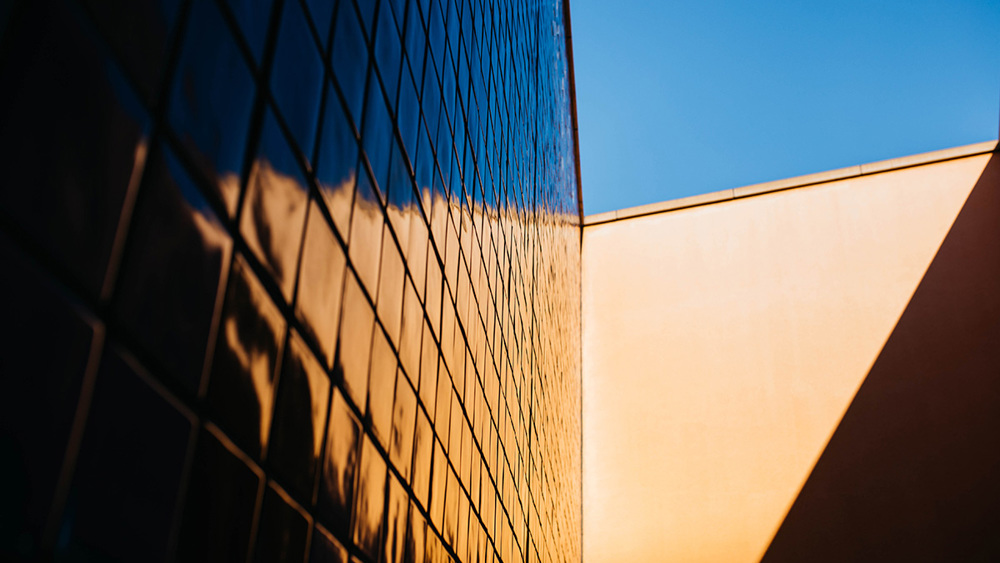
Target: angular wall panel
x=723, y=343
x=911, y=472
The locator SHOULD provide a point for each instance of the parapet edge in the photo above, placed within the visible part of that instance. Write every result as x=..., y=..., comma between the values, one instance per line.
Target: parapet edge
x=879, y=167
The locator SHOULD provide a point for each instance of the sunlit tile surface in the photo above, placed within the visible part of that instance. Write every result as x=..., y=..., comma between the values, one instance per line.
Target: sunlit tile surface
x=289, y=280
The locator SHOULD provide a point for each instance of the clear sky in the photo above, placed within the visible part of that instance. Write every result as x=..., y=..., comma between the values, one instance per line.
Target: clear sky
x=677, y=98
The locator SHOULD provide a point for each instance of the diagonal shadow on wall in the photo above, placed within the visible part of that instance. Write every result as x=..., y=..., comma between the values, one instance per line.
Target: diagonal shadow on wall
x=912, y=472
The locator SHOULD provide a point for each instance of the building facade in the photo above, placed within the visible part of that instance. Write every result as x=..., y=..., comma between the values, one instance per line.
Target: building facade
x=806, y=370
x=308, y=280
x=289, y=280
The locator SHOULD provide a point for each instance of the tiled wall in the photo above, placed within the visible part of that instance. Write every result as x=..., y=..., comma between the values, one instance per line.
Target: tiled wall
x=288, y=280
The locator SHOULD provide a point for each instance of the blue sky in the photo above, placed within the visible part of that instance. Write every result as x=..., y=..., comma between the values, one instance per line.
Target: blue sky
x=682, y=98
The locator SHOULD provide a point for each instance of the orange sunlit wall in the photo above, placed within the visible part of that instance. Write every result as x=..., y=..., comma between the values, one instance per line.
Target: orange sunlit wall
x=810, y=374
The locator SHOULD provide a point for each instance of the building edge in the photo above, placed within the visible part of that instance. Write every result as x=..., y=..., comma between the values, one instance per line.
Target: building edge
x=572, y=107
x=570, y=64
x=807, y=180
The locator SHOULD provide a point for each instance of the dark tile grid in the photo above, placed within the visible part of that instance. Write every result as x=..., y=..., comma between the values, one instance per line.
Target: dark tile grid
x=484, y=365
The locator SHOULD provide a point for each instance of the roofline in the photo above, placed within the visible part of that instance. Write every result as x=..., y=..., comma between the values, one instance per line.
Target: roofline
x=567, y=25
x=792, y=183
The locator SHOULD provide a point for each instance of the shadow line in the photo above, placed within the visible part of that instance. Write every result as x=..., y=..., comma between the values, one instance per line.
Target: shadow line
x=912, y=472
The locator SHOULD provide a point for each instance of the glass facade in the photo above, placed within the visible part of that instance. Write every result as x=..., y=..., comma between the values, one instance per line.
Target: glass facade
x=290, y=280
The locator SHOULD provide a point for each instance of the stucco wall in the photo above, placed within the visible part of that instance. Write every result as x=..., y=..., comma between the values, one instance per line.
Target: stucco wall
x=723, y=344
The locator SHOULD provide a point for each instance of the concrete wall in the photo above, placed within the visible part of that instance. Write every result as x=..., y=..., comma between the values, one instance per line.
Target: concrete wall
x=723, y=344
